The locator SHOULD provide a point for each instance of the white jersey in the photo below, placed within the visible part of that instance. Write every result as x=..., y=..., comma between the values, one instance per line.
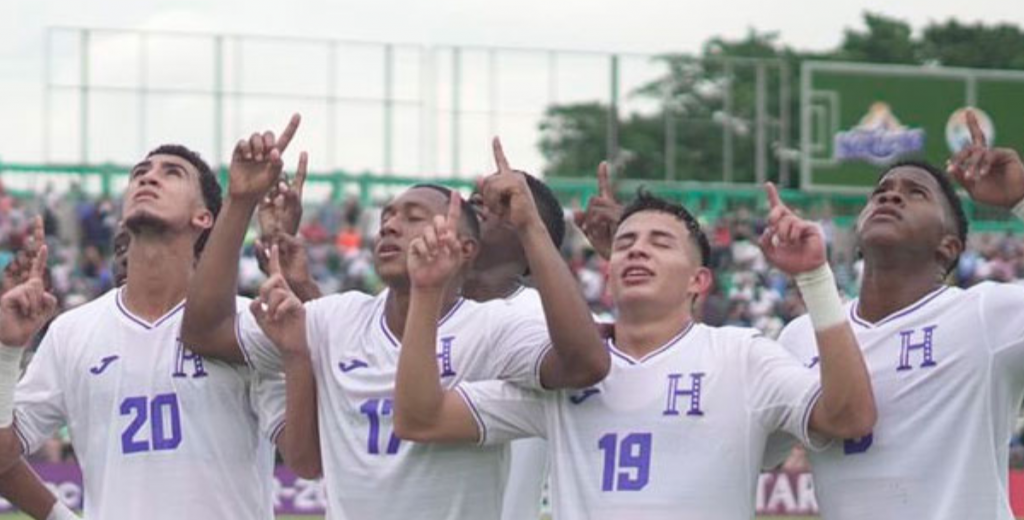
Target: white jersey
x=528, y=466
x=677, y=435
x=368, y=471
x=160, y=433
x=948, y=378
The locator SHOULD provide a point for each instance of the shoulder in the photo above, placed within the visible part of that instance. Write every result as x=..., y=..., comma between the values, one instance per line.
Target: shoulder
x=350, y=301
x=88, y=313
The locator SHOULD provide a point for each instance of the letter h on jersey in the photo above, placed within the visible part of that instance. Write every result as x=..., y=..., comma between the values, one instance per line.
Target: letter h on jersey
x=445, y=356
x=907, y=346
x=184, y=355
x=674, y=393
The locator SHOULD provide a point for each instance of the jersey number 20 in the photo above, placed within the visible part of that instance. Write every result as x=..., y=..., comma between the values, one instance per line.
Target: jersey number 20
x=161, y=413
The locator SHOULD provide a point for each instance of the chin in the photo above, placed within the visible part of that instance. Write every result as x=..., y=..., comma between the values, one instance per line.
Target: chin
x=140, y=222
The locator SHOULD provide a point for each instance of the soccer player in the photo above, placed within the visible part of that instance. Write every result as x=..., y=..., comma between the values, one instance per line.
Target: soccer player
x=678, y=427
x=499, y=272
x=19, y=484
x=349, y=342
x=946, y=363
x=156, y=428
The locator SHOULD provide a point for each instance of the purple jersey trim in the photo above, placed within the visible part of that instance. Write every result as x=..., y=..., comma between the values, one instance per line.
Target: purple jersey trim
x=899, y=314
x=394, y=340
x=142, y=323
x=22, y=439
x=539, y=362
x=669, y=344
x=276, y=432
x=481, y=427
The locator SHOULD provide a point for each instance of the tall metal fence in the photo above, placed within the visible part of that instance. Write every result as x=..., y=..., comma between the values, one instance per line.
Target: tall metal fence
x=382, y=108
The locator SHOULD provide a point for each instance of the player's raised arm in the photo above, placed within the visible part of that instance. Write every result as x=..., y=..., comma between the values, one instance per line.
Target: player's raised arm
x=601, y=218
x=208, y=326
x=424, y=410
x=578, y=358
x=282, y=318
x=846, y=408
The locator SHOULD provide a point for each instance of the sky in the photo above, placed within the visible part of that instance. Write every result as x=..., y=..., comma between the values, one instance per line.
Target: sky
x=421, y=144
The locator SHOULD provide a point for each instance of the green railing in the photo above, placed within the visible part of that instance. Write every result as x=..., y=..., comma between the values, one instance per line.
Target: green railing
x=710, y=201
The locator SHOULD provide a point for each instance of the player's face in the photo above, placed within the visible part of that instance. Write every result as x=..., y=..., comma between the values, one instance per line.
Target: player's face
x=906, y=209
x=402, y=220
x=164, y=191
x=653, y=261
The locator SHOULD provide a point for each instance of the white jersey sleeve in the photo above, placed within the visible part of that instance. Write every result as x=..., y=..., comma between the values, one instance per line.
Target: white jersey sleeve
x=40, y=408
x=782, y=391
x=504, y=411
x=267, y=395
x=259, y=351
x=780, y=444
x=519, y=342
x=1002, y=310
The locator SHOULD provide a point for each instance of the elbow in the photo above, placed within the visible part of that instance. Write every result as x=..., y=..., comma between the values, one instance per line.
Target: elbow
x=412, y=430
x=854, y=423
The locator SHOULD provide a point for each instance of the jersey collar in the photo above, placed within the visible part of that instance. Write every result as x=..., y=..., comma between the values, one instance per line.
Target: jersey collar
x=906, y=311
x=610, y=343
x=390, y=336
x=119, y=300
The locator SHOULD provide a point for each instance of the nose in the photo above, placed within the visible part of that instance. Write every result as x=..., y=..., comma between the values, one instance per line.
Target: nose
x=390, y=226
x=890, y=197
x=637, y=251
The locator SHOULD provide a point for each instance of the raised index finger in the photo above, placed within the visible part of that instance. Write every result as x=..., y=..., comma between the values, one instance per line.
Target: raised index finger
x=604, y=183
x=38, y=231
x=499, y=157
x=300, y=173
x=38, y=269
x=774, y=200
x=274, y=266
x=289, y=132
x=977, y=135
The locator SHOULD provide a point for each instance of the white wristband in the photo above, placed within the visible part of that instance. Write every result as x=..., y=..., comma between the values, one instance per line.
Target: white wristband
x=818, y=288
x=1018, y=209
x=10, y=370
x=61, y=512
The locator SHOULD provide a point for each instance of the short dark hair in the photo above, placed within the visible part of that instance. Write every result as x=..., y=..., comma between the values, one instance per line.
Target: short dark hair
x=208, y=184
x=646, y=202
x=548, y=206
x=948, y=191
x=469, y=217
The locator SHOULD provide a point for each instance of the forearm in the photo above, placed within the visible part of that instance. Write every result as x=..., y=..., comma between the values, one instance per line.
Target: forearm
x=418, y=391
x=300, y=440
x=212, y=289
x=846, y=407
x=22, y=488
x=579, y=357
x=306, y=289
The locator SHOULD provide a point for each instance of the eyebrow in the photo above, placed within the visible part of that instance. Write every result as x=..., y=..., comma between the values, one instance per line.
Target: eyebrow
x=657, y=233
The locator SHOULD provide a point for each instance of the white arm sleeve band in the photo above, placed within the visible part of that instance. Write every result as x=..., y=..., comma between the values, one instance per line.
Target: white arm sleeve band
x=818, y=288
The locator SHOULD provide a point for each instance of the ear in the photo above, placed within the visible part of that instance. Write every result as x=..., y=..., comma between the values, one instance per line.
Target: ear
x=202, y=219
x=470, y=250
x=701, y=282
x=949, y=248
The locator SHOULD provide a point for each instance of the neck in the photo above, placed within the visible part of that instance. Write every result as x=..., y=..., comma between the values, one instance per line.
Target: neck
x=890, y=286
x=159, y=268
x=493, y=282
x=396, y=308
x=640, y=333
